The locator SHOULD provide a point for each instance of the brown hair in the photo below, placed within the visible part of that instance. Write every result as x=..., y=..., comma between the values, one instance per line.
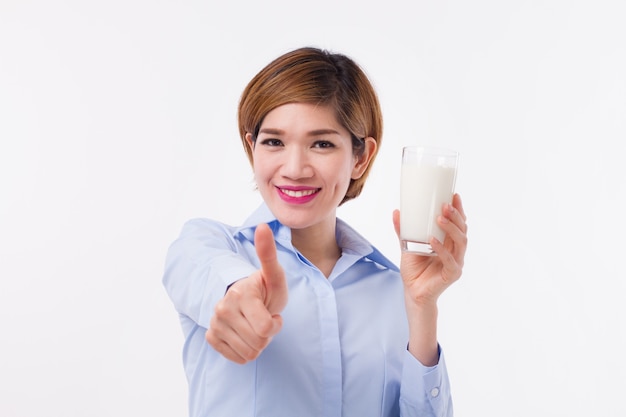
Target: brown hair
x=316, y=76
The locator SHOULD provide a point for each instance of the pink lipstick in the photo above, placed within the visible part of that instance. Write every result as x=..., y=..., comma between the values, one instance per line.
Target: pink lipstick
x=297, y=195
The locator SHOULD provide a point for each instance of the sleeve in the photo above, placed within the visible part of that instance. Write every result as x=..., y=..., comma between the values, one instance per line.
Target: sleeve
x=200, y=265
x=425, y=391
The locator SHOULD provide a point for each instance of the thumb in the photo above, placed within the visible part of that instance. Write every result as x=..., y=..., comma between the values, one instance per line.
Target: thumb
x=396, y=222
x=272, y=273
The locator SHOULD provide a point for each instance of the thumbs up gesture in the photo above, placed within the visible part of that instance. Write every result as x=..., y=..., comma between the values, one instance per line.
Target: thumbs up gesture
x=248, y=316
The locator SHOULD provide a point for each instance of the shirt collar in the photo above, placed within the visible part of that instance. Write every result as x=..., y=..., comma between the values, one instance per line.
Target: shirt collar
x=262, y=214
x=350, y=241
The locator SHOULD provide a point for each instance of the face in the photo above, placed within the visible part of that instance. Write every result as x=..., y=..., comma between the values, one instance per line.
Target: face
x=303, y=163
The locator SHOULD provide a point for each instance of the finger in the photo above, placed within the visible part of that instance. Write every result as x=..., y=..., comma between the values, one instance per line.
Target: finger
x=266, y=251
x=450, y=268
x=233, y=334
x=458, y=204
x=396, y=222
x=262, y=323
x=223, y=347
x=272, y=272
x=456, y=216
x=233, y=347
x=456, y=238
x=225, y=339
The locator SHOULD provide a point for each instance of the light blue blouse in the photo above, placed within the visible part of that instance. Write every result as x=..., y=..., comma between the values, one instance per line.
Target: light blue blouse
x=341, y=351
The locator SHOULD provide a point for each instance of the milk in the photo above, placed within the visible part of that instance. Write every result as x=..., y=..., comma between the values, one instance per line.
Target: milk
x=423, y=191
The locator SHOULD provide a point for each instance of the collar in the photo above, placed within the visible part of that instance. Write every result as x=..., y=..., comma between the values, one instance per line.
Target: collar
x=350, y=241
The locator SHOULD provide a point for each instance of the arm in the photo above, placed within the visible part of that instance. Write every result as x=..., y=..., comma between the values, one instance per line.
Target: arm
x=217, y=286
x=427, y=277
x=200, y=265
x=425, y=387
x=425, y=391
x=248, y=315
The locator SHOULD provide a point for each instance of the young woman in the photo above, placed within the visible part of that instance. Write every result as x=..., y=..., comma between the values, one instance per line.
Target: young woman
x=294, y=313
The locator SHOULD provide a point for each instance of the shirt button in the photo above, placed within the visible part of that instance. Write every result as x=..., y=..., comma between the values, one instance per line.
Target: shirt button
x=434, y=392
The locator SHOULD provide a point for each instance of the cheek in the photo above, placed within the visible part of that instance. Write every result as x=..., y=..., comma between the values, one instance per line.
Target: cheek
x=257, y=165
x=262, y=172
x=258, y=171
x=345, y=170
x=344, y=174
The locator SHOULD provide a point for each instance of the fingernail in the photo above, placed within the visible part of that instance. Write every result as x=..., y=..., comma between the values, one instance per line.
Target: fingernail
x=443, y=219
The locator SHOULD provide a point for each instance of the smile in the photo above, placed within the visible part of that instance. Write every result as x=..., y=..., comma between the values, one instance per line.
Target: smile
x=297, y=193
x=298, y=196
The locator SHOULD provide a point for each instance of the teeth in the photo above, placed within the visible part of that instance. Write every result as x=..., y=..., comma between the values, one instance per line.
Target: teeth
x=297, y=194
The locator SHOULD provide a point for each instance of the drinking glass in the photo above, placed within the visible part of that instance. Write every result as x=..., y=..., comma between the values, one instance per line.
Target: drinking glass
x=427, y=179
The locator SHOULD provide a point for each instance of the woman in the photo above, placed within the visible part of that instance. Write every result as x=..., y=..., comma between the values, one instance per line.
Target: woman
x=294, y=313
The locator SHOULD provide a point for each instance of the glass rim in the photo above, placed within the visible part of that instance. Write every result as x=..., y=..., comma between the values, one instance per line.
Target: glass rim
x=430, y=150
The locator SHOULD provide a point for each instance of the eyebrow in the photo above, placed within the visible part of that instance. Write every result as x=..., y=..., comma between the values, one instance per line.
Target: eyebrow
x=271, y=131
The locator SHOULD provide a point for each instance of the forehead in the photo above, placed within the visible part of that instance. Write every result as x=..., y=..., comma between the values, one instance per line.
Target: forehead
x=302, y=117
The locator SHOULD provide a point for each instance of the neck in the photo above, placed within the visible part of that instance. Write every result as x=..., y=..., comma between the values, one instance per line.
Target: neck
x=319, y=246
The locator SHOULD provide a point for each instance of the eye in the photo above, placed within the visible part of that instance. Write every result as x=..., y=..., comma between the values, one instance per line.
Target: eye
x=272, y=142
x=323, y=144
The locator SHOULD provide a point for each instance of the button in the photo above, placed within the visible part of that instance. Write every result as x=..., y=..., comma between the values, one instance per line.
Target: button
x=434, y=392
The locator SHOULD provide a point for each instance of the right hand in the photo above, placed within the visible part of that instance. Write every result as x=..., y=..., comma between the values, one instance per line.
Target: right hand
x=248, y=316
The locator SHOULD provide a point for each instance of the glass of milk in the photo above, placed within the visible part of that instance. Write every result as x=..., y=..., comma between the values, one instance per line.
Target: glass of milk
x=427, y=182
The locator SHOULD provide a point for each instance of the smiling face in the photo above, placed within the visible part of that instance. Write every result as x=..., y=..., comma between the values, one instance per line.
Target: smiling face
x=303, y=162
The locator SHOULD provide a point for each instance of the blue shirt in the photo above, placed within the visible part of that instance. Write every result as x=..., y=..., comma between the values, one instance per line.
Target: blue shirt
x=342, y=350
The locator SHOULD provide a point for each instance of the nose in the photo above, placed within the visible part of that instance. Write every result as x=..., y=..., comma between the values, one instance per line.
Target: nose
x=297, y=164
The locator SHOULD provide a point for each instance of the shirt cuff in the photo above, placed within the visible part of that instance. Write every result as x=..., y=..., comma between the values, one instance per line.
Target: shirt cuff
x=425, y=390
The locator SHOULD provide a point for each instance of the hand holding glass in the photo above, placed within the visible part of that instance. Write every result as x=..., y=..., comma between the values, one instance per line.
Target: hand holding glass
x=427, y=182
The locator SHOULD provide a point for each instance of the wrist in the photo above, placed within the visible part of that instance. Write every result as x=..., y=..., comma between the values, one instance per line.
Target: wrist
x=424, y=305
x=422, y=319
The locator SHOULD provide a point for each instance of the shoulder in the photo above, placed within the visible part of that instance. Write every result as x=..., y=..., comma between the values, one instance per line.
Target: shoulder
x=202, y=232
x=206, y=233
x=203, y=226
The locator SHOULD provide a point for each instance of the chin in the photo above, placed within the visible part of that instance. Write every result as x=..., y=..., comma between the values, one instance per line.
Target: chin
x=295, y=218
x=302, y=216
x=295, y=222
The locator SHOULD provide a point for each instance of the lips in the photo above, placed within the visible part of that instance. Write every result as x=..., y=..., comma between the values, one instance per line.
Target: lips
x=297, y=195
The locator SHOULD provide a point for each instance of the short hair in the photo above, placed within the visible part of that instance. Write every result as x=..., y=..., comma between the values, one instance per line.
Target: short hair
x=315, y=76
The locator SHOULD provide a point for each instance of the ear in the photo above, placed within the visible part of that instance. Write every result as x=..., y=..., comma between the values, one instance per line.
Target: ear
x=250, y=142
x=364, y=160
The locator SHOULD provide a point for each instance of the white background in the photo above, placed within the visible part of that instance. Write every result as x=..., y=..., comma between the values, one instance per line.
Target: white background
x=118, y=123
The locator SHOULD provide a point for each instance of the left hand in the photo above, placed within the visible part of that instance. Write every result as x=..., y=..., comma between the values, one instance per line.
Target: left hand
x=427, y=277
